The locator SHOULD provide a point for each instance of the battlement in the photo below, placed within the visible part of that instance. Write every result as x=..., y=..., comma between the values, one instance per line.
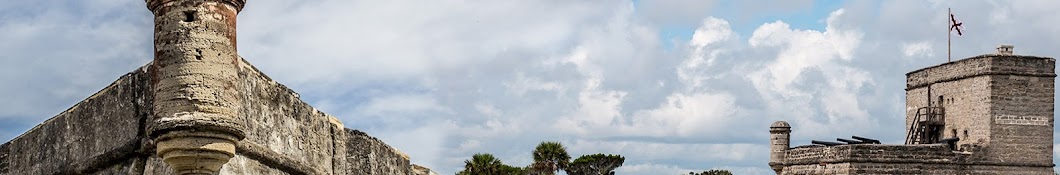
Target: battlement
x=988, y=64
x=815, y=154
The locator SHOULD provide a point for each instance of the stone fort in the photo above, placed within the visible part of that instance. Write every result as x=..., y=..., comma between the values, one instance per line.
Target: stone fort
x=988, y=114
x=197, y=108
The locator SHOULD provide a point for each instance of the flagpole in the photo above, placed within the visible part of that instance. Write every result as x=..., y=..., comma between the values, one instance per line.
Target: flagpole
x=949, y=42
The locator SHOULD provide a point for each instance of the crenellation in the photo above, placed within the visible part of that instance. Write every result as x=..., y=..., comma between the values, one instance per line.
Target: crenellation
x=932, y=153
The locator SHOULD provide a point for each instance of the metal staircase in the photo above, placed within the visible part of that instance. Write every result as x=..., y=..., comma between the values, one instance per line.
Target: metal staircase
x=927, y=126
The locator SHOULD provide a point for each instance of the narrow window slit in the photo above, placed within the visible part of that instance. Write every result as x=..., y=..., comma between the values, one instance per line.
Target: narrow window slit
x=189, y=16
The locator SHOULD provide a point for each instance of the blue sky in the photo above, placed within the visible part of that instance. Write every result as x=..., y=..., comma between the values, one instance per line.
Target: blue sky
x=807, y=15
x=673, y=85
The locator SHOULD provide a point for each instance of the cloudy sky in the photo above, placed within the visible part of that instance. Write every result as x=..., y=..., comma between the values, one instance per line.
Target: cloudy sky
x=672, y=85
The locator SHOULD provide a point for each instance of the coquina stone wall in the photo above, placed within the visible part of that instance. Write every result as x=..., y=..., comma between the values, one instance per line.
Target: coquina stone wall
x=1002, y=104
x=370, y=156
x=1022, y=111
x=105, y=134
x=927, y=153
x=895, y=159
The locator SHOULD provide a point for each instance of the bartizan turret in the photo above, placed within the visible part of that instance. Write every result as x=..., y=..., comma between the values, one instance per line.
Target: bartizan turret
x=195, y=126
x=779, y=141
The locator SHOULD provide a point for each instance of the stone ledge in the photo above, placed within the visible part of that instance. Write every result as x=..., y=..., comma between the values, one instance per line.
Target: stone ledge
x=923, y=84
x=273, y=159
x=989, y=64
x=974, y=58
x=932, y=153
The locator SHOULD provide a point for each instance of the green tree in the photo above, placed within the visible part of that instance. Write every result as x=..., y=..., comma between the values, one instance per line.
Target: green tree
x=712, y=172
x=549, y=158
x=595, y=164
x=486, y=164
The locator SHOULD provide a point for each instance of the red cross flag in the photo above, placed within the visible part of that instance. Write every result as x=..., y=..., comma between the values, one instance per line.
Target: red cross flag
x=955, y=25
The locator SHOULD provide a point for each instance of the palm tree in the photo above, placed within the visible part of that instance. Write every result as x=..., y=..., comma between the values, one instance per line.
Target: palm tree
x=595, y=164
x=486, y=164
x=549, y=158
x=480, y=164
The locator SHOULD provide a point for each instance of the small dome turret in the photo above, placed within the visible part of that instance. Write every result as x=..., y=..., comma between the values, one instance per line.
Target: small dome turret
x=779, y=142
x=780, y=124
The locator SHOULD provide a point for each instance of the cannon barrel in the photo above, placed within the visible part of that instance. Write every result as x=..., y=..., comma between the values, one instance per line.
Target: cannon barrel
x=951, y=142
x=866, y=140
x=848, y=141
x=825, y=143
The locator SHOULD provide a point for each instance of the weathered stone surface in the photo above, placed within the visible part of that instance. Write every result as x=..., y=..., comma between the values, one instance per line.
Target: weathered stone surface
x=128, y=166
x=243, y=165
x=779, y=142
x=932, y=153
x=195, y=123
x=368, y=155
x=280, y=122
x=420, y=170
x=103, y=130
x=105, y=134
x=195, y=68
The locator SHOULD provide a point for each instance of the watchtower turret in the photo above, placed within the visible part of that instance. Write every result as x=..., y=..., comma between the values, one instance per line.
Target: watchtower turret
x=779, y=142
x=195, y=126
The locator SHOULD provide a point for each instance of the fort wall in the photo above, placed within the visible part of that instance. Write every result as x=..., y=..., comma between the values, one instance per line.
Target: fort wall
x=895, y=159
x=1023, y=110
x=966, y=104
x=812, y=155
x=368, y=155
x=105, y=129
x=1003, y=103
x=105, y=134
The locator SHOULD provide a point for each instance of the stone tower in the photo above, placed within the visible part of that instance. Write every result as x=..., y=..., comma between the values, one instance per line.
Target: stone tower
x=779, y=141
x=195, y=125
x=990, y=114
x=999, y=105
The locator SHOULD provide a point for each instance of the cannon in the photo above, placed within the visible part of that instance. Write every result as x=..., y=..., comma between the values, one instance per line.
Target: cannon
x=951, y=142
x=825, y=143
x=848, y=141
x=866, y=140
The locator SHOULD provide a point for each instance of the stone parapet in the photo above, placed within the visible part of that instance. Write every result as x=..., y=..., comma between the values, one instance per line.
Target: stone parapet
x=929, y=153
x=370, y=156
x=159, y=5
x=103, y=130
x=989, y=64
